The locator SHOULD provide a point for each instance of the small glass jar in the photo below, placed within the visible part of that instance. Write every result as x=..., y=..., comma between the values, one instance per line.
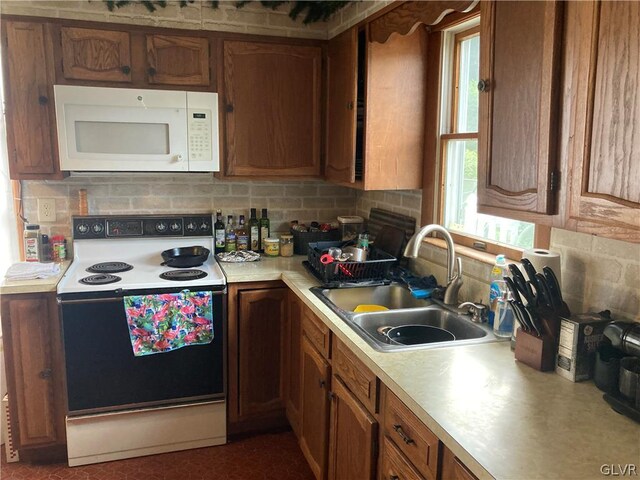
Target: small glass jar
x=286, y=245
x=271, y=247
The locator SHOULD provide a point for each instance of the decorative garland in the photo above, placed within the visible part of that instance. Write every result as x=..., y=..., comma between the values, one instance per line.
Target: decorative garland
x=316, y=11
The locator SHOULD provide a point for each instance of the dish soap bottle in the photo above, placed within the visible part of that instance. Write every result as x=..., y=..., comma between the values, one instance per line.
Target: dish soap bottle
x=503, y=320
x=498, y=286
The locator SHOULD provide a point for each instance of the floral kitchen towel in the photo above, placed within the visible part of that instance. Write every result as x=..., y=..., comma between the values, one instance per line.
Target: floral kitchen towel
x=165, y=322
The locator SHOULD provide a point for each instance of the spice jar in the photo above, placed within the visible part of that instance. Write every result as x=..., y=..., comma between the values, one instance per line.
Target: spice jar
x=58, y=248
x=32, y=243
x=286, y=245
x=271, y=247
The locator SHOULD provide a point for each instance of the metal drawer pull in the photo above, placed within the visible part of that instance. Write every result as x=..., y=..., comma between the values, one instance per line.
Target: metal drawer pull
x=405, y=438
x=394, y=477
x=46, y=373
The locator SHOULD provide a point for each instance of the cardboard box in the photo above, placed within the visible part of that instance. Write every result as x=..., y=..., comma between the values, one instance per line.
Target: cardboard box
x=10, y=451
x=580, y=336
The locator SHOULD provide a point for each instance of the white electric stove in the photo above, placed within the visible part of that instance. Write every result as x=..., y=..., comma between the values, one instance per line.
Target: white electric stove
x=120, y=405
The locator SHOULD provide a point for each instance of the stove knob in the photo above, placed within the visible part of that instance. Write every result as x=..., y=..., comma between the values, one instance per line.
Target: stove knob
x=83, y=228
x=191, y=227
x=97, y=228
x=204, y=226
x=161, y=227
x=175, y=227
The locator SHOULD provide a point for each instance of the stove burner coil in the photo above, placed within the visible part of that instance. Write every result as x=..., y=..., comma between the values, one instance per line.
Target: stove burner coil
x=183, y=275
x=101, y=279
x=109, y=267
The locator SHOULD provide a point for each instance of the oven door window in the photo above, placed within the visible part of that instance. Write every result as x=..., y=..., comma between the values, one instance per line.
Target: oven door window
x=104, y=375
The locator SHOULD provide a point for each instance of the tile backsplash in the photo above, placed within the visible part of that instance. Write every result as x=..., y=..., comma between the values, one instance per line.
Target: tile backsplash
x=188, y=193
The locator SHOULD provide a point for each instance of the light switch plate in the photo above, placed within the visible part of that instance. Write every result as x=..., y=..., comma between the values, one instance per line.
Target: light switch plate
x=46, y=210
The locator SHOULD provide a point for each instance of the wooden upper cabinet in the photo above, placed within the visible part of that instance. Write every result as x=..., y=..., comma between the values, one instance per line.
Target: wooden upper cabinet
x=376, y=110
x=273, y=111
x=28, y=86
x=518, y=107
x=342, y=66
x=177, y=60
x=90, y=54
x=603, y=65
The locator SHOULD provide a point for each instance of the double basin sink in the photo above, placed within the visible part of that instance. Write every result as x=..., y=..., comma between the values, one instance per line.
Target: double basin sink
x=403, y=309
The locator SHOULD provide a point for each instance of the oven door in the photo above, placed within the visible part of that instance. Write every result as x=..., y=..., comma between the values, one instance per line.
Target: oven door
x=102, y=373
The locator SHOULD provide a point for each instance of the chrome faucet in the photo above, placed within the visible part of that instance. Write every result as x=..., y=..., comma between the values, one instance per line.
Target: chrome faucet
x=454, y=279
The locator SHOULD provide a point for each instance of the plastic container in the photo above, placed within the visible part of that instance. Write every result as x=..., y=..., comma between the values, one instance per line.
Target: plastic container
x=286, y=245
x=498, y=286
x=32, y=243
x=350, y=226
x=504, y=318
x=301, y=240
x=271, y=247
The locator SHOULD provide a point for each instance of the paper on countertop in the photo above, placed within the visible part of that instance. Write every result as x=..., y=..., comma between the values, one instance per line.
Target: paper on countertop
x=32, y=271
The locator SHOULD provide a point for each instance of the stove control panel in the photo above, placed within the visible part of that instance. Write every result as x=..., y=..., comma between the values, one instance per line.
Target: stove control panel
x=142, y=226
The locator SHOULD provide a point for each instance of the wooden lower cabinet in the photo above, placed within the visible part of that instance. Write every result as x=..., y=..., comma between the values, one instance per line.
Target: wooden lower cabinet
x=34, y=368
x=453, y=468
x=293, y=363
x=257, y=313
x=394, y=465
x=316, y=376
x=353, y=436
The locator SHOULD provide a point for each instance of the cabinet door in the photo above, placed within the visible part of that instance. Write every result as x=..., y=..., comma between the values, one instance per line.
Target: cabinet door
x=453, y=468
x=342, y=71
x=34, y=372
x=89, y=54
x=353, y=434
x=316, y=375
x=272, y=106
x=394, y=465
x=177, y=60
x=604, y=41
x=261, y=316
x=294, y=362
x=31, y=137
x=518, y=106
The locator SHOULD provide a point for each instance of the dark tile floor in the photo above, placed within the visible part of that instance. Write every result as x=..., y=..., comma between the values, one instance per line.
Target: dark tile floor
x=262, y=457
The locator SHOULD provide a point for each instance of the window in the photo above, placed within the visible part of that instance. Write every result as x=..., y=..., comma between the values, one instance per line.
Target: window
x=459, y=150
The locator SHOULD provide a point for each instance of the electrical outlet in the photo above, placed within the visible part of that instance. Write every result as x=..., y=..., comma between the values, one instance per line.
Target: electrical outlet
x=46, y=210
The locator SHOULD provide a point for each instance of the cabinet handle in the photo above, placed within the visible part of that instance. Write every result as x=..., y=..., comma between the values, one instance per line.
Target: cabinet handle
x=126, y=69
x=394, y=477
x=42, y=100
x=331, y=395
x=46, y=373
x=322, y=383
x=483, y=85
x=228, y=108
x=152, y=71
x=405, y=438
x=350, y=105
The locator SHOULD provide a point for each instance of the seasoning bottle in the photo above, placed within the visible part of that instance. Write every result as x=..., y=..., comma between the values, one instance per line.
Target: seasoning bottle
x=45, y=248
x=286, y=245
x=219, y=232
x=58, y=248
x=32, y=243
x=271, y=247
x=254, y=232
x=265, y=229
x=230, y=236
x=242, y=237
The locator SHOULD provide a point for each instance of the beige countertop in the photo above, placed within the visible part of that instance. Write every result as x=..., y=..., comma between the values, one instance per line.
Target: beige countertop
x=39, y=285
x=501, y=418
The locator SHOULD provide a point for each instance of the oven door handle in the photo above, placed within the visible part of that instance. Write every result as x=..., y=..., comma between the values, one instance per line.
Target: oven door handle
x=61, y=301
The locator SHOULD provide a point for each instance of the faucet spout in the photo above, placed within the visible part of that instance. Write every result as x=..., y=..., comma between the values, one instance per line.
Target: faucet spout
x=454, y=276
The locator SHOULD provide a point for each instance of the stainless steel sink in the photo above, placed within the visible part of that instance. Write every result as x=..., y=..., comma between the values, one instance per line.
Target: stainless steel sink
x=404, y=309
x=391, y=296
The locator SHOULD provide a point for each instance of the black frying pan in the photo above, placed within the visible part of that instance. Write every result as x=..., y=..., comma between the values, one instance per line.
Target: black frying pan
x=416, y=334
x=185, y=257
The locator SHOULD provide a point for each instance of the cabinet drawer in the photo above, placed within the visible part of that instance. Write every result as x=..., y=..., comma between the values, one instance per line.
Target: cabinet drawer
x=356, y=376
x=414, y=439
x=394, y=465
x=317, y=332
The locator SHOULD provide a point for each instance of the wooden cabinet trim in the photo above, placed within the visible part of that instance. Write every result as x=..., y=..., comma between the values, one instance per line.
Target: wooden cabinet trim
x=293, y=370
x=317, y=332
x=393, y=463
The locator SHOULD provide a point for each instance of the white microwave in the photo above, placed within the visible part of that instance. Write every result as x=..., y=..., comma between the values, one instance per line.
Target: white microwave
x=125, y=129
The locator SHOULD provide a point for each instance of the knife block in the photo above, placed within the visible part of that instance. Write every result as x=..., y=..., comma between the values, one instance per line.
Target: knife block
x=537, y=352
